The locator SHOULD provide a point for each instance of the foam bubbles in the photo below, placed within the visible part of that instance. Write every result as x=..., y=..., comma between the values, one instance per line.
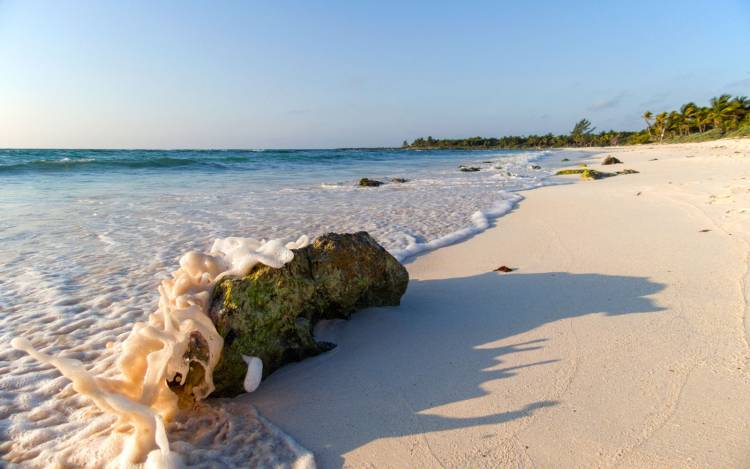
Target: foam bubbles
x=154, y=352
x=480, y=221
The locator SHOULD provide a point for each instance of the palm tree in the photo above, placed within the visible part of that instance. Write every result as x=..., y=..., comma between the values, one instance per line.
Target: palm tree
x=674, y=122
x=703, y=119
x=734, y=113
x=660, y=125
x=647, y=116
x=740, y=106
x=581, y=131
x=689, y=112
x=720, y=111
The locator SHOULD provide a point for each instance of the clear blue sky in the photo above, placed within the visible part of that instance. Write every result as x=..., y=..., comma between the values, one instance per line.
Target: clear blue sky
x=303, y=74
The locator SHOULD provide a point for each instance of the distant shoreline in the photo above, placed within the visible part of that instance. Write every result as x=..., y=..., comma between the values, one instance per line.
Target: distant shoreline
x=725, y=117
x=708, y=136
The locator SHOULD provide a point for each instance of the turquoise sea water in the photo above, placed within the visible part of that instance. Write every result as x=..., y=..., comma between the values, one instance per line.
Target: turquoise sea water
x=86, y=235
x=118, y=194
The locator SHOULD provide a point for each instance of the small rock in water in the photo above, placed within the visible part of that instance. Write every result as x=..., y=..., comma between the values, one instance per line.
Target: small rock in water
x=364, y=182
x=565, y=159
x=399, y=180
x=535, y=166
x=594, y=174
x=611, y=160
x=468, y=169
x=584, y=172
x=504, y=268
x=627, y=171
x=564, y=172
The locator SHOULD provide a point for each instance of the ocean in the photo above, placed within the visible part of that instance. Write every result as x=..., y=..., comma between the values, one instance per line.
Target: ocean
x=86, y=236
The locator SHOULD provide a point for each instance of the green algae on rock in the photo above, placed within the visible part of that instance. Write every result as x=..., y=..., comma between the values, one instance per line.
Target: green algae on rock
x=594, y=174
x=565, y=172
x=585, y=173
x=270, y=313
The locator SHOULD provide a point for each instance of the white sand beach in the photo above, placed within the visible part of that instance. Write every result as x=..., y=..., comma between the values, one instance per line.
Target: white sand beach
x=621, y=340
x=374, y=235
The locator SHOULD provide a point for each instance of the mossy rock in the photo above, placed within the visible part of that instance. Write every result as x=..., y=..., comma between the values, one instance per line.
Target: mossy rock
x=583, y=165
x=591, y=174
x=585, y=173
x=365, y=182
x=565, y=172
x=270, y=313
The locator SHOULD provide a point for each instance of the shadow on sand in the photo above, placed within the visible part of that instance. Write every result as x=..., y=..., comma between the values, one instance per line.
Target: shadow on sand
x=393, y=364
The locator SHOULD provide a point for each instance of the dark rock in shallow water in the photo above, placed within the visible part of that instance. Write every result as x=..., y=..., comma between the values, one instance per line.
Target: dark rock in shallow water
x=565, y=172
x=594, y=174
x=611, y=160
x=585, y=173
x=270, y=313
x=627, y=171
x=399, y=180
x=364, y=182
x=535, y=166
x=468, y=169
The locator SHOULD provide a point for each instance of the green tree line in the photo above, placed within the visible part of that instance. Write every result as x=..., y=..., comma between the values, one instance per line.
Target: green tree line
x=724, y=116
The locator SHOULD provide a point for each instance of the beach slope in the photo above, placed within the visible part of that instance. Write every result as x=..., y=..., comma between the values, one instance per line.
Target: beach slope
x=621, y=338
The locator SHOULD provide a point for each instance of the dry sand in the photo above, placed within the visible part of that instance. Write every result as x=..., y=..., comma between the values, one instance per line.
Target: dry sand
x=621, y=340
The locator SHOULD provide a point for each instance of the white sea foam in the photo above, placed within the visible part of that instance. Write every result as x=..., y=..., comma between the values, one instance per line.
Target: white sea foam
x=80, y=268
x=480, y=221
x=154, y=352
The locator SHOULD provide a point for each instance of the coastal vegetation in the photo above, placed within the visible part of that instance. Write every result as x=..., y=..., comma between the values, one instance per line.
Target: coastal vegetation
x=725, y=116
